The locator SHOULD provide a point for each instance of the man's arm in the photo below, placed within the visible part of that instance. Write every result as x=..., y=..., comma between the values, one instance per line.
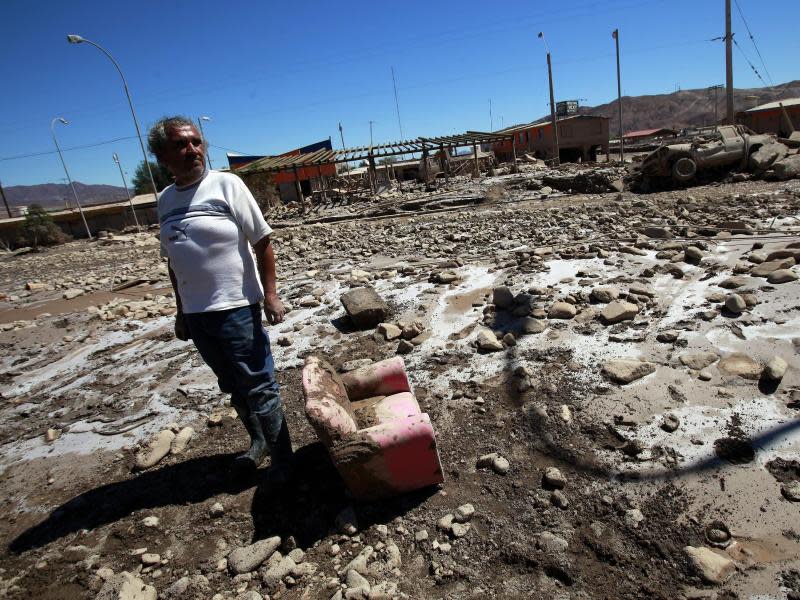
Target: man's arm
x=181, y=331
x=265, y=259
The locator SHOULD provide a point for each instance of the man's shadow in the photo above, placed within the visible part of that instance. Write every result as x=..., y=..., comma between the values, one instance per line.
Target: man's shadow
x=306, y=507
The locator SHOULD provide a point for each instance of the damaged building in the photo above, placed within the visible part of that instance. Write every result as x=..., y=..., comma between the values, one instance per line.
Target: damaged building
x=780, y=117
x=580, y=138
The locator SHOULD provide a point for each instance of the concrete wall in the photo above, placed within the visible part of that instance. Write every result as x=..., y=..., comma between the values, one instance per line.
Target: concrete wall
x=578, y=139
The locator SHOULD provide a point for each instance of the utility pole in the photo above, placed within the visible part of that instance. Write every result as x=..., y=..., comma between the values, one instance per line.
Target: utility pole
x=728, y=64
x=127, y=191
x=3, y=194
x=205, y=143
x=715, y=88
x=370, y=133
x=556, y=157
x=615, y=35
x=341, y=135
x=397, y=105
x=491, y=121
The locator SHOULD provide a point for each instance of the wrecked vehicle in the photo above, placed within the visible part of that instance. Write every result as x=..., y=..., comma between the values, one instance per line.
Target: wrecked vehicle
x=728, y=146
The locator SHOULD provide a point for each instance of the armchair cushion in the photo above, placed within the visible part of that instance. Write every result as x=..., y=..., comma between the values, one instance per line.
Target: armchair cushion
x=328, y=409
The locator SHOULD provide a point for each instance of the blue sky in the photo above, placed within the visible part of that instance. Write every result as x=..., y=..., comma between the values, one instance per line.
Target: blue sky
x=273, y=76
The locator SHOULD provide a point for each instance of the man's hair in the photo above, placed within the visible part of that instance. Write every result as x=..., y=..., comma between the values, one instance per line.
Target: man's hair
x=157, y=136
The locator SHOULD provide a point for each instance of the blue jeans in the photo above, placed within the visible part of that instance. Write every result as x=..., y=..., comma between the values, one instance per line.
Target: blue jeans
x=236, y=347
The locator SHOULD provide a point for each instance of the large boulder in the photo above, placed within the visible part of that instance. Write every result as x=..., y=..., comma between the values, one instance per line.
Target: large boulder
x=762, y=159
x=624, y=370
x=618, y=311
x=365, y=307
x=740, y=365
x=788, y=168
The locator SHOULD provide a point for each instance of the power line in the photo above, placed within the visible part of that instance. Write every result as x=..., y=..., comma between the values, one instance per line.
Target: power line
x=81, y=147
x=235, y=151
x=752, y=66
x=753, y=39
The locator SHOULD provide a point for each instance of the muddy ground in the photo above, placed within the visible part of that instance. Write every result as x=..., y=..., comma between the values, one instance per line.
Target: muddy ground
x=104, y=373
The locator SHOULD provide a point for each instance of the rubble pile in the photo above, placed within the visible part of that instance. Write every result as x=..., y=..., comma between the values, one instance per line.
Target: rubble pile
x=612, y=379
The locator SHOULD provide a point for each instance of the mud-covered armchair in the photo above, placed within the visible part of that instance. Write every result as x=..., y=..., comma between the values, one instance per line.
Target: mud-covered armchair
x=370, y=422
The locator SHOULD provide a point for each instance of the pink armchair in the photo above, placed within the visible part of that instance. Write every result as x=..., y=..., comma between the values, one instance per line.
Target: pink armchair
x=370, y=422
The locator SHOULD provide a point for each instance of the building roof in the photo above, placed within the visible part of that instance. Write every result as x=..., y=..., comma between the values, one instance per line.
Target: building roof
x=648, y=132
x=770, y=105
x=325, y=156
x=537, y=124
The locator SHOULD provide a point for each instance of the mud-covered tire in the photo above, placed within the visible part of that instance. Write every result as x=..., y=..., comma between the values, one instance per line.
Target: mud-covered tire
x=684, y=169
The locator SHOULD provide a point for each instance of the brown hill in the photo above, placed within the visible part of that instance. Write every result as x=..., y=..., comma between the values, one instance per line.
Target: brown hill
x=685, y=108
x=54, y=195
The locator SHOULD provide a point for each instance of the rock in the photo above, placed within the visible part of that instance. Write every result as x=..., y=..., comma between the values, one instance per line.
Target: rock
x=712, y=567
x=365, y=307
x=624, y=370
x=464, y=513
x=639, y=289
x=284, y=341
x=214, y=420
x=156, y=450
x=72, y=293
x=735, y=303
x=249, y=558
x=633, y=517
x=551, y=543
x=150, y=521
x=186, y=588
x=667, y=337
x=705, y=375
x=502, y=297
x=216, y=510
x=765, y=268
x=741, y=365
x=605, y=294
x=731, y=283
x=356, y=581
x=421, y=535
x=762, y=159
x=359, y=562
x=782, y=276
x=488, y=342
x=658, y=233
x=497, y=463
x=404, y=347
x=51, y=435
x=125, y=586
x=791, y=490
x=509, y=339
x=559, y=499
x=670, y=423
x=788, y=168
x=181, y=440
x=459, y=530
x=553, y=479
x=693, y=254
x=562, y=310
x=446, y=522
x=698, y=360
x=389, y=331
x=617, y=311
x=775, y=368
x=346, y=521
x=150, y=559
x=277, y=570
x=531, y=326
x=446, y=277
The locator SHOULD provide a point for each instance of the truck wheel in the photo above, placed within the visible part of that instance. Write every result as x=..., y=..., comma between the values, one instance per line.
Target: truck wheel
x=684, y=170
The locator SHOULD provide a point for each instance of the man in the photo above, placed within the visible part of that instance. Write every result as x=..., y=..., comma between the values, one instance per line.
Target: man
x=209, y=220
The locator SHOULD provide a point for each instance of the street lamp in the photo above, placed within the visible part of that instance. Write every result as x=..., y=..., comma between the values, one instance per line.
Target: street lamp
x=69, y=179
x=556, y=157
x=76, y=39
x=125, y=183
x=205, y=143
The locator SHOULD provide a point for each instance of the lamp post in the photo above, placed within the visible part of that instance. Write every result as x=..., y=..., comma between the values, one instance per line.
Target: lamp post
x=69, y=179
x=202, y=133
x=615, y=35
x=125, y=183
x=556, y=156
x=76, y=39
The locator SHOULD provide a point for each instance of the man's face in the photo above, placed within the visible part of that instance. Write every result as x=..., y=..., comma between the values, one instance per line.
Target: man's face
x=184, y=153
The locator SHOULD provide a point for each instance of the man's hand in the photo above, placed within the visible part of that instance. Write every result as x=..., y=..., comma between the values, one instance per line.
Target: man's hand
x=273, y=308
x=181, y=330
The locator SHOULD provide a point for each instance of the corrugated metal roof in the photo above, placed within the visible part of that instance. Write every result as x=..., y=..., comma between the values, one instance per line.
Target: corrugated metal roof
x=646, y=132
x=776, y=104
x=537, y=124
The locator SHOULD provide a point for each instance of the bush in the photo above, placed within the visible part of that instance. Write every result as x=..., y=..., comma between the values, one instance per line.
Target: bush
x=38, y=229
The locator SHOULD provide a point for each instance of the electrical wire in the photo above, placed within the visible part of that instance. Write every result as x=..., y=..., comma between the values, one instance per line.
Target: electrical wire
x=81, y=147
x=752, y=66
x=753, y=39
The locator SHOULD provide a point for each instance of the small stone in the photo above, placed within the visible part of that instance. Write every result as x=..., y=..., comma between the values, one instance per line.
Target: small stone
x=509, y=339
x=51, y=435
x=781, y=276
x=627, y=370
x=214, y=420
x=497, y=463
x=667, y=337
x=791, y=490
x=735, y=303
x=741, y=365
x=693, y=254
x=346, y=521
x=488, y=342
x=446, y=522
x=404, y=347
x=389, y=331
x=775, y=368
x=181, y=440
x=698, y=360
x=155, y=451
x=770, y=266
x=705, y=375
x=731, y=283
x=554, y=479
x=149, y=559
x=365, y=307
x=712, y=567
x=551, y=543
x=633, y=517
x=502, y=297
x=284, y=341
x=125, y=586
x=605, y=294
x=464, y=513
x=72, y=293
x=562, y=310
x=532, y=326
x=459, y=530
x=216, y=510
x=670, y=423
x=150, y=521
x=559, y=499
x=618, y=311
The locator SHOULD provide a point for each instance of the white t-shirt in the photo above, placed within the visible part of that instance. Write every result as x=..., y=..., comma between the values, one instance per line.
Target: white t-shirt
x=206, y=232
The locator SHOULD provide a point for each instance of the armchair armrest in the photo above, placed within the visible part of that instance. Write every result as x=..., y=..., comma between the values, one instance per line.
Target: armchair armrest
x=378, y=379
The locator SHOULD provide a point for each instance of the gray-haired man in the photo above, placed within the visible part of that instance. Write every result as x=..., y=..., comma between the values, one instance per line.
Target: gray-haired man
x=209, y=220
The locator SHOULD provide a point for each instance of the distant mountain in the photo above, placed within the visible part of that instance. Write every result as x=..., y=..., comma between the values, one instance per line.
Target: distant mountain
x=685, y=108
x=52, y=196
